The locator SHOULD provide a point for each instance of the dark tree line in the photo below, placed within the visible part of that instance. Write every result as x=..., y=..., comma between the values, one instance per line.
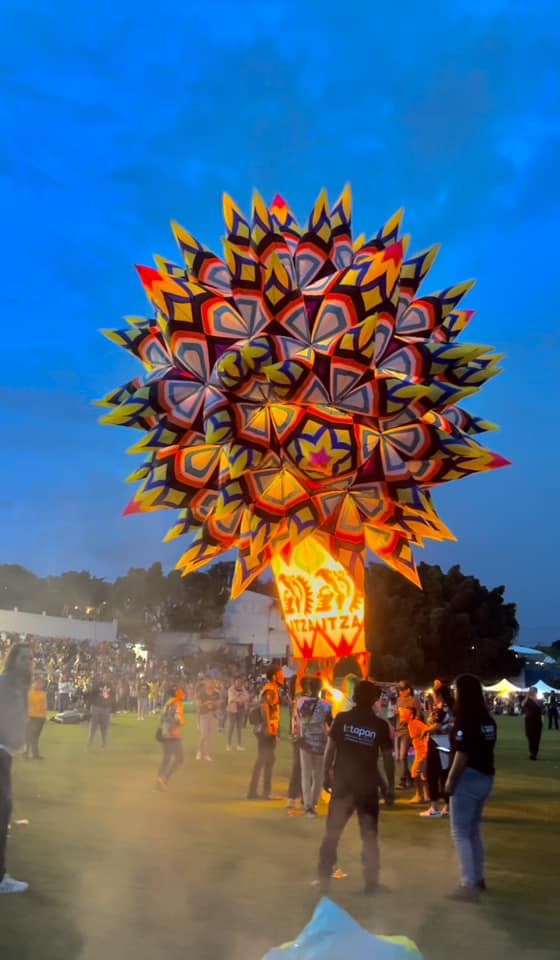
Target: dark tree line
x=454, y=624
x=142, y=600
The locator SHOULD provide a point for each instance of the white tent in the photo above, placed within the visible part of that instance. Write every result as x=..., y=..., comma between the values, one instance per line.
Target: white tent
x=543, y=688
x=502, y=687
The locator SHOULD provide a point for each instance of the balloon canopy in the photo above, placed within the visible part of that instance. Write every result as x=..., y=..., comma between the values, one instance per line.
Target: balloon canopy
x=300, y=387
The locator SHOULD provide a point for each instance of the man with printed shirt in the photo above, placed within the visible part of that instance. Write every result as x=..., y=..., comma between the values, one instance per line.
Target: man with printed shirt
x=314, y=720
x=356, y=739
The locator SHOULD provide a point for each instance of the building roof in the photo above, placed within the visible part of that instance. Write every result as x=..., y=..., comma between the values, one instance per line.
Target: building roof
x=530, y=653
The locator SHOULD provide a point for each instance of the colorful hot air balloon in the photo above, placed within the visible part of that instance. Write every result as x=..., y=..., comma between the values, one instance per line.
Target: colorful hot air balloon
x=300, y=402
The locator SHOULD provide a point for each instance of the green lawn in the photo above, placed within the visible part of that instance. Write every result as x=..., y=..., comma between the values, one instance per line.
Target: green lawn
x=118, y=871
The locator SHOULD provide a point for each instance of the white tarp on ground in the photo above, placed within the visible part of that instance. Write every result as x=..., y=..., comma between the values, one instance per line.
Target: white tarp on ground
x=332, y=934
x=503, y=686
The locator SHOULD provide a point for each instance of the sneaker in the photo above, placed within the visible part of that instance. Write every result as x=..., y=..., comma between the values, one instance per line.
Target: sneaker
x=432, y=812
x=199, y=756
x=311, y=814
x=465, y=895
x=296, y=812
x=241, y=749
x=9, y=885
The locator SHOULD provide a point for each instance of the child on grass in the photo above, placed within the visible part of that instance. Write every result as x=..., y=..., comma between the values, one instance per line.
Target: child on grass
x=417, y=733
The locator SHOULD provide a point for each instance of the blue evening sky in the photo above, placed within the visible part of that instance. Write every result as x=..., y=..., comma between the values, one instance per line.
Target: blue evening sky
x=118, y=116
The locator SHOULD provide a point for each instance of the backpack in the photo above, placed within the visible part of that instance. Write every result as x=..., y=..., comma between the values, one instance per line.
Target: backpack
x=255, y=715
x=311, y=723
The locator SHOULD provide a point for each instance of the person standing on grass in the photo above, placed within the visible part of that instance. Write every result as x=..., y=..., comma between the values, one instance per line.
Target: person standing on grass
x=37, y=714
x=237, y=705
x=314, y=719
x=101, y=700
x=143, y=703
x=533, y=721
x=266, y=732
x=14, y=688
x=552, y=713
x=416, y=731
x=406, y=701
x=207, y=702
x=356, y=739
x=295, y=792
x=439, y=749
x=170, y=735
x=470, y=782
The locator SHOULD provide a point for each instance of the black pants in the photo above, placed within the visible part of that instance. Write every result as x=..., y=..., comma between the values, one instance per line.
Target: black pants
x=294, y=789
x=172, y=758
x=553, y=720
x=341, y=809
x=435, y=774
x=5, y=806
x=533, y=732
x=32, y=734
x=266, y=755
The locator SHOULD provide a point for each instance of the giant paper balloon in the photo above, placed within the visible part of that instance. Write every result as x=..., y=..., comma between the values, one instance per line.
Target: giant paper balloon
x=301, y=387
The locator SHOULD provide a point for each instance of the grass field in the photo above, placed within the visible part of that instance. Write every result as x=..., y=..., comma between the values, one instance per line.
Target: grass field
x=121, y=872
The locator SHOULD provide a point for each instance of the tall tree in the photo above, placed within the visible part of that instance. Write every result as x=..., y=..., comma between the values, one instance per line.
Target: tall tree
x=454, y=624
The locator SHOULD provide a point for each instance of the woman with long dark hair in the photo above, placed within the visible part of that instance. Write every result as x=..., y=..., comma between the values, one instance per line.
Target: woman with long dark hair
x=470, y=782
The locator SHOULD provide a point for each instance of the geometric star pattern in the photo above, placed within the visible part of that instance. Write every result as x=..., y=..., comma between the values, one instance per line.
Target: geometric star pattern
x=301, y=385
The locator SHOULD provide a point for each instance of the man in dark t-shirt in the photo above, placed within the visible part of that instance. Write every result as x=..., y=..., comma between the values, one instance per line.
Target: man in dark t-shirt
x=356, y=739
x=101, y=700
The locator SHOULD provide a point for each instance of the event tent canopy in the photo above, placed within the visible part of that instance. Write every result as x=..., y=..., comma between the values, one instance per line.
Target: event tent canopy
x=503, y=686
x=543, y=687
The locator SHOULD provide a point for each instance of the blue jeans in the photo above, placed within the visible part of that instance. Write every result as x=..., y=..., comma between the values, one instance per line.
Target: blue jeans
x=467, y=803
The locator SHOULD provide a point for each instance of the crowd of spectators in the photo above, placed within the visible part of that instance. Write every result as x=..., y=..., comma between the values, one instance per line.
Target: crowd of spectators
x=139, y=681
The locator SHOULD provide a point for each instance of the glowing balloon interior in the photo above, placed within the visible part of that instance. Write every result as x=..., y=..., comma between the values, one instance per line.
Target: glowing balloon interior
x=299, y=388
x=322, y=605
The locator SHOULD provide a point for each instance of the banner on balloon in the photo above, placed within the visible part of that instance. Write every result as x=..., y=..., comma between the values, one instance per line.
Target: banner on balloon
x=322, y=606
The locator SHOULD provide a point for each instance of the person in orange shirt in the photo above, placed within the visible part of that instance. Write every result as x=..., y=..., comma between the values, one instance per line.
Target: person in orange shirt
x=417, y=733
x=36, y=716
x=170, y=735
